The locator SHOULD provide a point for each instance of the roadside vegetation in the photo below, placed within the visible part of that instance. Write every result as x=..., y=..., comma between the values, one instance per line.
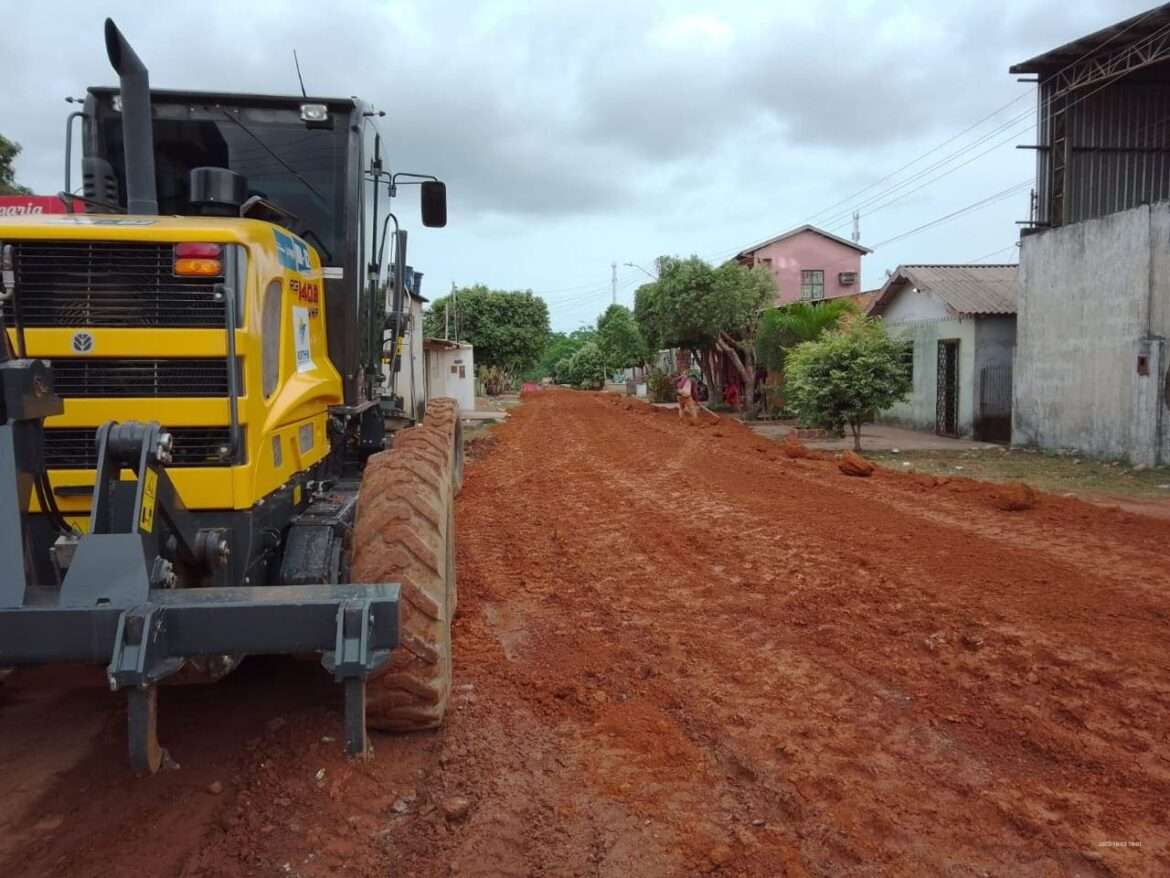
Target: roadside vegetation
x=845, y=376
x=1053, y=473
x=9, y=150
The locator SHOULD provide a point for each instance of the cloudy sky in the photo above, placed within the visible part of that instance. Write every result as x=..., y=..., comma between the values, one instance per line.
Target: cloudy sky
x=576, y=134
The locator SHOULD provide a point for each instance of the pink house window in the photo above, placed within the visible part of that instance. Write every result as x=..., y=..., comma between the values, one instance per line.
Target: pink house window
x=812, y=285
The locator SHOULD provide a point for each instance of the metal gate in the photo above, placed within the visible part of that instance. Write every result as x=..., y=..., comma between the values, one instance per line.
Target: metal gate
x=947, y=404
x=993, y=418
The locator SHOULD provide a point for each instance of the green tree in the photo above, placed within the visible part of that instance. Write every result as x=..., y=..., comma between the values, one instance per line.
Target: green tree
x=559, y=346
x=702, y=308
x=563, y=370
x=9, y=150
x=620, y=340
x=508, y=329
x=586, y=367
x=782, y=329
x=846, y=375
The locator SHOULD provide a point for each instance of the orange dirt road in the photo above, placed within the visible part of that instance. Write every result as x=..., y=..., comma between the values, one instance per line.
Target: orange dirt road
x=678, y=652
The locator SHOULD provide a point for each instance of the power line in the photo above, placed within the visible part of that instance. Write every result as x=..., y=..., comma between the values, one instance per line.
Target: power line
x=1011, y=246
x=983, y=202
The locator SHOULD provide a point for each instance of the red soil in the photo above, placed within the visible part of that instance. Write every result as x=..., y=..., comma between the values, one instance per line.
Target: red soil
x=678, y=652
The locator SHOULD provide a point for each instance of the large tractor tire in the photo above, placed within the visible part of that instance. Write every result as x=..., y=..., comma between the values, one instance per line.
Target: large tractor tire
x=405, y=533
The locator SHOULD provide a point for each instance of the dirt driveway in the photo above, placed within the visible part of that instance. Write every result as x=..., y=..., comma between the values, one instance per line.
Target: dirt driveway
x=678, y=653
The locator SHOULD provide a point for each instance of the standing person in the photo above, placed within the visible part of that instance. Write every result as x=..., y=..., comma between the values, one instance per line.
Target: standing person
x=684, y=386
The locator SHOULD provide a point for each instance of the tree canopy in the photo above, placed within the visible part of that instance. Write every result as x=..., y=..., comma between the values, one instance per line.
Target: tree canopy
x=782, y=329
x=586, y=367
x=9, y=150
x=846, y=375
x=559, y=346
x=619, y=339
x=509, y=329
x=701, y=307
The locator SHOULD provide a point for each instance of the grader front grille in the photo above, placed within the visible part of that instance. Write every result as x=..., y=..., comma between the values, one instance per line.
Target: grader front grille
x=87, y=284
x=75, y=448
x=124, y=377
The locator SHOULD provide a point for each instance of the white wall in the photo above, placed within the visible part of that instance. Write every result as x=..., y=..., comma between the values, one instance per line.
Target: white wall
x=1094, y=298
x=452, y=373
x=924, y=319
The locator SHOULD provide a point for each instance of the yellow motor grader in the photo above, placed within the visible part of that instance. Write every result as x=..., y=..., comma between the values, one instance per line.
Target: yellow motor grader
x=202, y=455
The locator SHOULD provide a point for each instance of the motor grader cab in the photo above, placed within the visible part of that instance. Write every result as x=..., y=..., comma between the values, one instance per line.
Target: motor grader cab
x=192, y=402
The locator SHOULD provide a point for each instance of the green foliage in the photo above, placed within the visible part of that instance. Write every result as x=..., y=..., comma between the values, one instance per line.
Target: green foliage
x=846, y=375
x=620, y=340
x=692, y=303
x=509, y=329
x=562, y=371
x=586, y=367
x=661, y=386
x=782, y=329
x=9, y=150
x=560, y=346
x=494, y=380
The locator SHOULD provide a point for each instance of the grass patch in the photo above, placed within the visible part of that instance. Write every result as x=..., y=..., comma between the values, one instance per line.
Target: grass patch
x=1054, y=473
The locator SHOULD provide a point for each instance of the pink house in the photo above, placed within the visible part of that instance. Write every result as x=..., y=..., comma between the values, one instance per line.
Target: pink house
x=809, y=264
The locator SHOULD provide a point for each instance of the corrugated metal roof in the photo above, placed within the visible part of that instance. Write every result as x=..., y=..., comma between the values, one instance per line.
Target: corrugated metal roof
x=966, y=289
x=1117, y=37
x=807, y=227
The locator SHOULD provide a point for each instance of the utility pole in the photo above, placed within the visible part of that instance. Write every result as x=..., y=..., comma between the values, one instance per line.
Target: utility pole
x=447, y=313
x=613, y=280
x=455, y=301
x=856, y=226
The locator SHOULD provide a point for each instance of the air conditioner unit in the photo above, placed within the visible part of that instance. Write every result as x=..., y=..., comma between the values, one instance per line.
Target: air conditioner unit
x=847, y=278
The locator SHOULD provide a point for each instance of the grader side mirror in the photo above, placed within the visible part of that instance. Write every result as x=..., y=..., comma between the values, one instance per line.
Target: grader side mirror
x=434, y=204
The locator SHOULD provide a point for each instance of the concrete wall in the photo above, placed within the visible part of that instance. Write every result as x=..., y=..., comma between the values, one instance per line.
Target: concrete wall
x=1094, y=311
x=925, y=320
x=452, y=373
x=809, y=251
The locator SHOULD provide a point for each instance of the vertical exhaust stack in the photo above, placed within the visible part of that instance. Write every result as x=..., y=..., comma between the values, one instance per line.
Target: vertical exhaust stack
x=137, y=123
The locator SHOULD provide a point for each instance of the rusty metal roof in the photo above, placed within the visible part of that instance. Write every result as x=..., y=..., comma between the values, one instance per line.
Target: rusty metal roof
x=1116, y=38
x=966, y=289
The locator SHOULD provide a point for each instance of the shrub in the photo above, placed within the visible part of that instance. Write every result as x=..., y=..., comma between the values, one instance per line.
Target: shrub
x=586, y=368
x=661, y=386
x=846, y=375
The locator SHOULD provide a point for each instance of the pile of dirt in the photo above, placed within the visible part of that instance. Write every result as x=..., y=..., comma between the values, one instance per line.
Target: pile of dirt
x=1015, y=497
x=793, y=448
x=479, y=447
x=853, y=464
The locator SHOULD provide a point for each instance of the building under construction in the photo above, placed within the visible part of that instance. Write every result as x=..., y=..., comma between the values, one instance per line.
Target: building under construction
x=1094, y=278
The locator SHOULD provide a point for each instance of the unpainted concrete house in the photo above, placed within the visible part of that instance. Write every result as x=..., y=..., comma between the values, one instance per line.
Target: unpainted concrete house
x=959, y=325
x=1094, y=279
x=808, y=264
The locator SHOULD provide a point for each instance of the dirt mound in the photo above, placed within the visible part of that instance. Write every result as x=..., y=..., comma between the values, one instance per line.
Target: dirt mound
x=1015, y=497
x=479, y=447
x=853, y=464
x=793, y=448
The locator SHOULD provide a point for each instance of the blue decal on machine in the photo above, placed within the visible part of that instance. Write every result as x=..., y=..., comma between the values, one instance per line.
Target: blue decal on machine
x=292, y=252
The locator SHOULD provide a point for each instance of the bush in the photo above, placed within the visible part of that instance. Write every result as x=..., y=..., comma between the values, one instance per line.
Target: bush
x=661, y=386
x=494, y=380
x=587, y=368
x=846, y=375
x=563, y=370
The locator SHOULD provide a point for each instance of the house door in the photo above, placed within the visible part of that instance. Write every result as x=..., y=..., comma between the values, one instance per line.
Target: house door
x=947, y=408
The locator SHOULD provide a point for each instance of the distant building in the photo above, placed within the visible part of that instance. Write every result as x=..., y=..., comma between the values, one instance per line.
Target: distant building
x=1094, y=280
x=959, y=325
x=808, y=264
